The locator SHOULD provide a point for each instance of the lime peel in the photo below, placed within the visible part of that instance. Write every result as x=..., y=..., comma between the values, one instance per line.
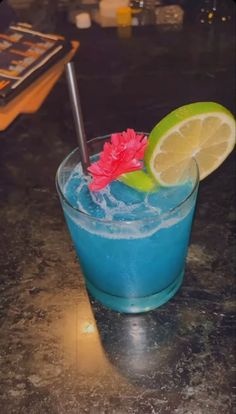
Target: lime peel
x=157, y=161
x=139, y=180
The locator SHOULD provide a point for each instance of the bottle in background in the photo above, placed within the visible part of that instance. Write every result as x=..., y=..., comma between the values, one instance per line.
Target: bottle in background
x=143, y=12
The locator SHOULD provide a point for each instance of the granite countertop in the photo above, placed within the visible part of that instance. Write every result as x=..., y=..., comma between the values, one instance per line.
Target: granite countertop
x=61, y=352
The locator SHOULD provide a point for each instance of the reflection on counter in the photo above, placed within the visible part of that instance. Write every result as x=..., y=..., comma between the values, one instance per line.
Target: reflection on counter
x=141, y=346
x=80, y=339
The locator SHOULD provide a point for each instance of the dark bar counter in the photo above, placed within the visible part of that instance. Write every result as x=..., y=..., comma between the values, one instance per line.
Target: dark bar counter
x=60, y=351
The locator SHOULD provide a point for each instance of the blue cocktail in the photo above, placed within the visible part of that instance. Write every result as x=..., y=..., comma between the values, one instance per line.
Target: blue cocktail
x=131, y=245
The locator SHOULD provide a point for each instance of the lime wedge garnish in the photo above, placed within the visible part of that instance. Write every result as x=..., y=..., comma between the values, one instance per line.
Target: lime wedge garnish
x=139, y=180
x=203, y=130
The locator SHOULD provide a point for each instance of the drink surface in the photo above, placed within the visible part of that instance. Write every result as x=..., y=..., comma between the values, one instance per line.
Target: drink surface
x=119, y=202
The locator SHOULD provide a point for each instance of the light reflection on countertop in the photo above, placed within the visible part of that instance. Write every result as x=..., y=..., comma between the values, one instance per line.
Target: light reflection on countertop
x=80, y=339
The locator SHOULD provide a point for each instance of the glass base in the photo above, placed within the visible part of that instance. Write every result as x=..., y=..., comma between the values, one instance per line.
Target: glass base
x=136, y=305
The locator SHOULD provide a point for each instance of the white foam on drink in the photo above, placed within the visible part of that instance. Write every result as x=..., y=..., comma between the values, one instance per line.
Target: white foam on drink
x=125, y=230
x=103, y=197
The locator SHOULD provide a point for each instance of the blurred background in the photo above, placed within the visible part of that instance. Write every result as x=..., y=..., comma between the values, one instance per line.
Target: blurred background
x=203, y=11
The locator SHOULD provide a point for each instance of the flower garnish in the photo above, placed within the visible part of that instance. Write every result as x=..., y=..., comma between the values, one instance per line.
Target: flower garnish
x=123, y=154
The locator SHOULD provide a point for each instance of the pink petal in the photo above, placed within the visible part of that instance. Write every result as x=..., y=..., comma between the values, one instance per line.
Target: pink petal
x=95, y=169
x=99, y=183
x=116, y=138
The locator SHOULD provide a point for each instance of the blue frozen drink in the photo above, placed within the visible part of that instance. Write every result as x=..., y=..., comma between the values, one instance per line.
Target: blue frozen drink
x=131, y=244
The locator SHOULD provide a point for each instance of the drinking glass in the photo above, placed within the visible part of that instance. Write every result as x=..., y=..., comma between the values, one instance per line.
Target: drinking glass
x=131, y=266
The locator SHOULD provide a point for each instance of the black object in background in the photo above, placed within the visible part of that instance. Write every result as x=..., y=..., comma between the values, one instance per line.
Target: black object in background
x=7, y=15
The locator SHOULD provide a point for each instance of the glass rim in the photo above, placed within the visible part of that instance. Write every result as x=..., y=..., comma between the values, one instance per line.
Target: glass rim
x=121, y=222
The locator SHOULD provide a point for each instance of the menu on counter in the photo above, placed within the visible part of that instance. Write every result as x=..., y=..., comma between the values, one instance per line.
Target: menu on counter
x=25, y=54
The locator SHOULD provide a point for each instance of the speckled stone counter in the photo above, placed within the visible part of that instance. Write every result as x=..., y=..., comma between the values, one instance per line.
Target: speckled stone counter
x=61, y=352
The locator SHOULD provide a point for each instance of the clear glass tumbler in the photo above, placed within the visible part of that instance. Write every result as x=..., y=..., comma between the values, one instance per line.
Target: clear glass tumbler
x=131, y=266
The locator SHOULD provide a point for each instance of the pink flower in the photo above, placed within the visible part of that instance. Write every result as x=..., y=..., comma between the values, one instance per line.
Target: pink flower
x=122, y=155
